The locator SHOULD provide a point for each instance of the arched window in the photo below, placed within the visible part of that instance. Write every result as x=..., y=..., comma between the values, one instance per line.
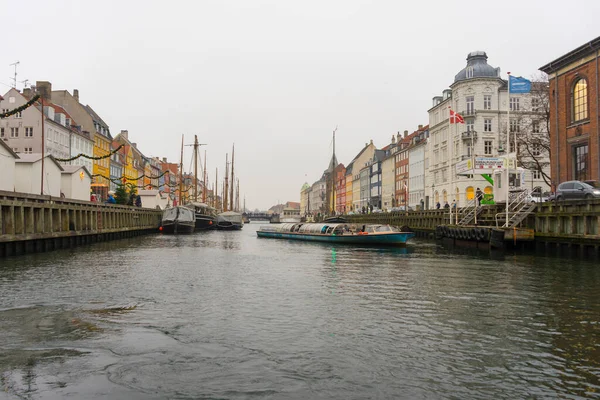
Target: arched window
x=580, y=100
x=470, y=193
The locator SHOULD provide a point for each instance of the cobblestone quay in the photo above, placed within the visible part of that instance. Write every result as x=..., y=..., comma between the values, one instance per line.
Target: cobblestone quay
x=32, y=223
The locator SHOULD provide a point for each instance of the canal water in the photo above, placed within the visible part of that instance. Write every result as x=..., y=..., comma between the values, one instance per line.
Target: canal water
x=225, y=315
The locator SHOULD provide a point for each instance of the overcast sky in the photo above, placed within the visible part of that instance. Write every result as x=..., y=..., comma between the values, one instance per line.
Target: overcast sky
x=275, y=77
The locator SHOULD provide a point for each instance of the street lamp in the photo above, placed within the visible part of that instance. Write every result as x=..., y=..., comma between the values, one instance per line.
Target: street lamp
x=432, y=197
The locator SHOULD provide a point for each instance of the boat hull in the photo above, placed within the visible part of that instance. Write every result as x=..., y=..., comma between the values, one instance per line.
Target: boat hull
x=386, y=239
x=178, y=227
x=205, y=222
x=228, y=226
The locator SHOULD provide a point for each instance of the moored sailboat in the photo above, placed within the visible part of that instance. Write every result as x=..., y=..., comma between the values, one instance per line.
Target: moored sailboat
x=206, y=216
x=178, y=219
x=230, y=221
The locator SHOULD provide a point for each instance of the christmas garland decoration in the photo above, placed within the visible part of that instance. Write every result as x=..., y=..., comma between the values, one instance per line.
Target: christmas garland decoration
x=21, y=108
x=90, y=157
x=119, y=181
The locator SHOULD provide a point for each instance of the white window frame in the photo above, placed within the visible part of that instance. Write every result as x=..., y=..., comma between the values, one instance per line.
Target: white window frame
x=487, y=125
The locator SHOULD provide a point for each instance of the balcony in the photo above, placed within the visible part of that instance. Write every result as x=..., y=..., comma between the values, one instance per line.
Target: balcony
x=469, y=135
x=468, y=113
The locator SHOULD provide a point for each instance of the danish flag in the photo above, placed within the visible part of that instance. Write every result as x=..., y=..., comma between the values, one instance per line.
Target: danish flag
x=456, y=118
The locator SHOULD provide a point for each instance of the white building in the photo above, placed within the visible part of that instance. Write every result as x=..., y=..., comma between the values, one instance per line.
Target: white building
x=23, y=131
x=480, y=95
x=28, y=175
x=152, y=199
x=7, y=166
x=416, y=170
x=75, y=183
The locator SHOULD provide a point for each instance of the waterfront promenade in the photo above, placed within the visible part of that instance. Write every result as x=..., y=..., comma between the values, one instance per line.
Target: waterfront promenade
x=32, y=223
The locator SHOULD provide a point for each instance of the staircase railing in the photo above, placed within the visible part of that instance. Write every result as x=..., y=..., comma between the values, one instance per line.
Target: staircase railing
x=519, y=207
x=467, y=214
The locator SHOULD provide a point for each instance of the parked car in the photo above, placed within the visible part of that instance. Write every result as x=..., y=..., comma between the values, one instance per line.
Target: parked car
x=576, y=190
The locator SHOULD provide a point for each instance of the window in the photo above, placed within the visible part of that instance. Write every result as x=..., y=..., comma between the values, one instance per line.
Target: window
x=535, y=126
x=580, y=100
x=515, y=104
x=470, y=125
x=469, y=72
x=470, y=105
x=1, y=132
x=535, y=104
x=4, y=110
x=29, y=131
x=580, y=159
x=536, y=149
x=536, y=174
x=18, y=115
x=14, y=132
x=515, y=126
x=487, y=125
x=487, y=101
x=487, y=147
x=28, y=150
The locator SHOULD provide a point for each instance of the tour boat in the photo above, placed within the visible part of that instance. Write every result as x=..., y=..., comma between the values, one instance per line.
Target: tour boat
x=229, y=221
x=368, y=234
x=178, y=220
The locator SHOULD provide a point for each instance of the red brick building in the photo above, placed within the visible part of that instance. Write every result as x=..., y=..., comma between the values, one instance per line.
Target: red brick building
x=574, y=113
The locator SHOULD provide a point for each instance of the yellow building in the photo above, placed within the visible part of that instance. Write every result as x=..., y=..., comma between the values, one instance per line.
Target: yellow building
x=349, y=188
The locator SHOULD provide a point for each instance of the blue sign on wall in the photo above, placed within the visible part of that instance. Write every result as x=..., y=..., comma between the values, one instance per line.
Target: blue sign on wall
x=519, y=85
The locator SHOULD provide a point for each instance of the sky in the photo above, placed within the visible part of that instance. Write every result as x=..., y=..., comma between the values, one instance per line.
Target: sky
x=275, y=77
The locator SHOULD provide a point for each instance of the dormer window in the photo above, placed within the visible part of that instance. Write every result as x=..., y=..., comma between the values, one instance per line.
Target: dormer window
x=469, y=72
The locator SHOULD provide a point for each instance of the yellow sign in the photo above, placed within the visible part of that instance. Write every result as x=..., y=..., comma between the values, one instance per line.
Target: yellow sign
x=81, y=175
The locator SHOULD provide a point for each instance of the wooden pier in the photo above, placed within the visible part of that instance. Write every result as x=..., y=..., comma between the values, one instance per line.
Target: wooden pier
x=30, y=223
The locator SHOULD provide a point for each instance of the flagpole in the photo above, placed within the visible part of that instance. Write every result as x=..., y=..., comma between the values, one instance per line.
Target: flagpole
x=507, y=149
x=451, y=144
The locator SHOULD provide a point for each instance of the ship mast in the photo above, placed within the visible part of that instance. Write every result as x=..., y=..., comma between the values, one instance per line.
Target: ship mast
x=226, y=188
x=333, y=162
x=231, y=199
x=196, y=168
x=181, y=172
x=204, y=177
x=216, y=190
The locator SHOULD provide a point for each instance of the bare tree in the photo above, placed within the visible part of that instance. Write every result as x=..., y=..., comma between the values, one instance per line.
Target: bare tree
x=533, y=137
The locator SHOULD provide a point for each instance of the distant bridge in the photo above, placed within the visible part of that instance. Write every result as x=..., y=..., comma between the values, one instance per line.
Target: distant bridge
x=261, y=217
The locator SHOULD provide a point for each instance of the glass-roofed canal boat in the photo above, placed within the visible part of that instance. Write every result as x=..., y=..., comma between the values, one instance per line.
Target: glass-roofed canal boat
x=370, y=234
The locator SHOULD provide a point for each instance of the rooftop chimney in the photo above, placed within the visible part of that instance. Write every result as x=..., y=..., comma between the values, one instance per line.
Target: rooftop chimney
x=125, y=133
x=76, y=94
x=420, y=127
x=405, y=133
x=27, y=92
x=165, y=160
x=371, y=141
x=393, y=139
x=44, y=88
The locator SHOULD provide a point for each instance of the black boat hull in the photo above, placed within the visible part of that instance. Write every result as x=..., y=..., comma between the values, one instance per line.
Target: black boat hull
x=205, y=222
x=228, y=226
x=178, y=227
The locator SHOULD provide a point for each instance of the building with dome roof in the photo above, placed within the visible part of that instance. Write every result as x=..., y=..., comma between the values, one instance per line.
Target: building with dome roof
x=480, y=95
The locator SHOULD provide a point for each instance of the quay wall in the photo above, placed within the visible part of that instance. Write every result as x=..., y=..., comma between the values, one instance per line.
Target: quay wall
x=572, y=222
x=33, y=223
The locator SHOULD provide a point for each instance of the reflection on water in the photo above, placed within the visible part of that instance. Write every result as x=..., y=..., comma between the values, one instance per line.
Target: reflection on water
x=228, y=315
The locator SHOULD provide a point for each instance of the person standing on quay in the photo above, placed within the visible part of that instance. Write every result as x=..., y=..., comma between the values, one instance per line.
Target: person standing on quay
x=479, y=195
